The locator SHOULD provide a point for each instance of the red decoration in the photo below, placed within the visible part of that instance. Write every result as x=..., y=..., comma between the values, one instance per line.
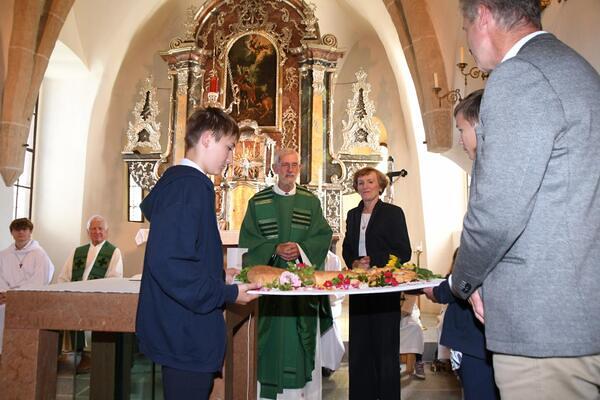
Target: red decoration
x=213, y=84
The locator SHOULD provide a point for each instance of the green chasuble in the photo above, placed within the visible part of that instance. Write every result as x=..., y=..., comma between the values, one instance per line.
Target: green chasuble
x=287, y=325
x=100, y=266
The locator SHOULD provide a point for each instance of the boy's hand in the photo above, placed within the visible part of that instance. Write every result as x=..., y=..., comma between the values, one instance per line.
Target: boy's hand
x=230, y=274
x=2, y=297
x=243, y=297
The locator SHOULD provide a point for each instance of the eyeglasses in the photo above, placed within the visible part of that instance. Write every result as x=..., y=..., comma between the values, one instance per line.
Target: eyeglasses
x=289, y=165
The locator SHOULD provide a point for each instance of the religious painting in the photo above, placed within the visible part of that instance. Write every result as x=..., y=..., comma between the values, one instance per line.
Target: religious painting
x=253, y=65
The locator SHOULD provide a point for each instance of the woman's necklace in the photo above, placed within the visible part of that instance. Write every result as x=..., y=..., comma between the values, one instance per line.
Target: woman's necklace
x=364, y=221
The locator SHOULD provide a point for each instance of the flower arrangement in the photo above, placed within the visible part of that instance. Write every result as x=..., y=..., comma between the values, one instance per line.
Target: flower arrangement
x=422, y=273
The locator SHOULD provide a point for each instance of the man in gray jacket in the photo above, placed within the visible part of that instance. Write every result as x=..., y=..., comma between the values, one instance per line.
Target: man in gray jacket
x=530, y=249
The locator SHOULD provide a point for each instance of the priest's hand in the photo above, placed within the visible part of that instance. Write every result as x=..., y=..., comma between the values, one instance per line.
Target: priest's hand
x=2, y=297
x=243, y=297
x=363, y=262
x=288, y=251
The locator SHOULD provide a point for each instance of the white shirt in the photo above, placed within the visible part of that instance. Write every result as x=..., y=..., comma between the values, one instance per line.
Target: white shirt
x=517, y=46
x=114, y=270
x=189, y=163
x=280, y=192
x=362, y=240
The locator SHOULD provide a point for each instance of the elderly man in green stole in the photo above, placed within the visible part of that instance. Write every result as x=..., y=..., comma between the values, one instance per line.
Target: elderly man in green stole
x=95, y=260
x=284, y=224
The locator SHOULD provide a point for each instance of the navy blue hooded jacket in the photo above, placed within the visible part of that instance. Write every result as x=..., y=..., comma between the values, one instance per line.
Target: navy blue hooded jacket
x=180, y=320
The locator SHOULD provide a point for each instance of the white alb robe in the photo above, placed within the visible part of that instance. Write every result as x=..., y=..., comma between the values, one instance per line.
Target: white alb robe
x=18, y=268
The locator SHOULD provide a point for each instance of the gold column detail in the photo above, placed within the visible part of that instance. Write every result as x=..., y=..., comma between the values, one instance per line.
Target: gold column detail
x=317, y=141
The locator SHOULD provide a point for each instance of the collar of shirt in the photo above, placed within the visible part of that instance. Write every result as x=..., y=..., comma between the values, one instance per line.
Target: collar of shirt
x=517, y=46
x=280, y=192
x=98, y=246
x=189, y=163
x=24, y=248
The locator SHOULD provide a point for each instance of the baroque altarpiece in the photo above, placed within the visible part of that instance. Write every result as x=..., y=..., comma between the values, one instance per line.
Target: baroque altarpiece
x=267, y=64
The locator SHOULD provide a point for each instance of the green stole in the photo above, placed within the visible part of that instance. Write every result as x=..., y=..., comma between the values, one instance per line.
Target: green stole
x=100, y=265
x=287, y=322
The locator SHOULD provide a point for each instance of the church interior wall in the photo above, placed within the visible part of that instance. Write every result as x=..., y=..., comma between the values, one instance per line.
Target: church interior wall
x=117, y=45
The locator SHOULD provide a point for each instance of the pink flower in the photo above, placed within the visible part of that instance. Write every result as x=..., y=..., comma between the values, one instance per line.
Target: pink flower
x=291, y=278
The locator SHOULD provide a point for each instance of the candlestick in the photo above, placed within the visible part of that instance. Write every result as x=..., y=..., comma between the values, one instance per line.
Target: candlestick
x=435, y=80
x=462, y=54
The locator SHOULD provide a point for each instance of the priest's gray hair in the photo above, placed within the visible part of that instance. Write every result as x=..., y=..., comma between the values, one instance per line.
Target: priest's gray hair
x=279, y=154
x=96, y=216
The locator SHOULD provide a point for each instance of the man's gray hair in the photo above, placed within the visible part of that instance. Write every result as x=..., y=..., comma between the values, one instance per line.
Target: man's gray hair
x=507, y=13
x=96, y=216
x=279, y=154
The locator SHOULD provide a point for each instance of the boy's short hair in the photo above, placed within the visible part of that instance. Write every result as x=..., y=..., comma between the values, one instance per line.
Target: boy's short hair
x=20, y=224
x=381, y=178
x=469, y=107
x=212, y=120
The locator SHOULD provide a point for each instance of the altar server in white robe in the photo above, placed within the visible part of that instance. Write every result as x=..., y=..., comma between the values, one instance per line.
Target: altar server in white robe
x=24, y=262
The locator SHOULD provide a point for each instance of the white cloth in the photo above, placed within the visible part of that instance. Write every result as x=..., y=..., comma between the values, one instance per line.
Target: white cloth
x=29, y=265
x=114, y=270
x=362, y=237
x=332, y=345
x=411, y=333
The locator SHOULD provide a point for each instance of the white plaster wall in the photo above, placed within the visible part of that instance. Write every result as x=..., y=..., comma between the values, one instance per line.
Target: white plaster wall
x=66, y=100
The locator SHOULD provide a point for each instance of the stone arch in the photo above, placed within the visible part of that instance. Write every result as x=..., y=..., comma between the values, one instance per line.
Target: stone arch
x=424, y=57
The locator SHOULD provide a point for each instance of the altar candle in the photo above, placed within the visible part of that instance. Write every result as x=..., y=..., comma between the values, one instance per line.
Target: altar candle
x=214, y=84
x=435, y=80
x=462, y=55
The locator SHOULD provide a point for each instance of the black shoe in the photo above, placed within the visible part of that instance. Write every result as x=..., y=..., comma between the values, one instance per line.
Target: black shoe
x=326, y=372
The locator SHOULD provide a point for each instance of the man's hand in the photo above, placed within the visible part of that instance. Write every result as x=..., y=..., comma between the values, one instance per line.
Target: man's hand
x=243, y=297
x=288, y=251
x=2, y=297
x=477, y=304
x=230, y=274
x=363, y=262
x=428, y=292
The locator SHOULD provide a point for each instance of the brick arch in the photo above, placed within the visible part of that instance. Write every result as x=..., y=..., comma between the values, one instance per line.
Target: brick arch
x=424, y=57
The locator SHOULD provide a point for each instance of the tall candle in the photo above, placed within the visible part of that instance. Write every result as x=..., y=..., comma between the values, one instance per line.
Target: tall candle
x=214, y=84
x=462, y=55
x=320, y=182
x=435, y=80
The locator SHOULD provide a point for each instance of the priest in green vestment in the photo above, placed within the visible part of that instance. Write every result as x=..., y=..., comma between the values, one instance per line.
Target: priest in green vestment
x=284, y=223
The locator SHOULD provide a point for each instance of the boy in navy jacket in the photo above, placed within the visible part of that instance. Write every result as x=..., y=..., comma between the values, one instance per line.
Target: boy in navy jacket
x=461, y=331
x=183, y=292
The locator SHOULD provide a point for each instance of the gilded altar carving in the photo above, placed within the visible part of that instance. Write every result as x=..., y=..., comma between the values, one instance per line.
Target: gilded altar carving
x=291, y=79
x=289, y=129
